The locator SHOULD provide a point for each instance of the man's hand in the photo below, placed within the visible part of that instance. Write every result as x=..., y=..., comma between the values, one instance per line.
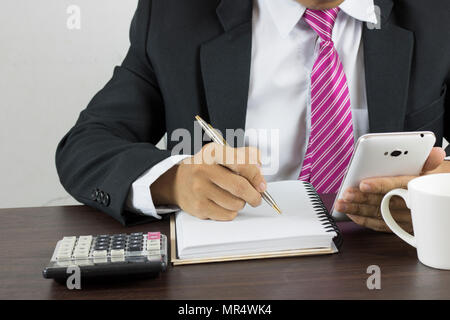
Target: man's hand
x=214, y=184
x=362, y=204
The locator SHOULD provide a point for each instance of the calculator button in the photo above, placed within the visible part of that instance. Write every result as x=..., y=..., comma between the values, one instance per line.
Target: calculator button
x=118, y=247
x=101, y=246
x=135, y=234
x=117, y=255
x=119, y=244
x=63, y=252
x=135, y=248
x=65, y=246
x=152, y=249
x=99, y=253
x=153, y=245
x=65, y=249
x=83, y=245
x=99, y=256
x=81, y=254
x=85, y=239
x=157, y=242
x=63, y=255
x=81, y=249
x=153, y=235
x=117, y=252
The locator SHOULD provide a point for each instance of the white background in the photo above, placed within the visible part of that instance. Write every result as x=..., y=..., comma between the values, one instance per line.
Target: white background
x=48, y=74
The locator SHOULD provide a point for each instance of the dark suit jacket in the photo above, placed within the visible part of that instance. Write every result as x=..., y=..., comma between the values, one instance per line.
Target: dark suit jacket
x=193, y=57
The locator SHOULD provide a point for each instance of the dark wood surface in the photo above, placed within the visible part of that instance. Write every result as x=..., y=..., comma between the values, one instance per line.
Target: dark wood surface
x=28, y=237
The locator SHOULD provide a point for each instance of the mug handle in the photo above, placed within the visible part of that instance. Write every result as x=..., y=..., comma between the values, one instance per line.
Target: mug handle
x=387, y=216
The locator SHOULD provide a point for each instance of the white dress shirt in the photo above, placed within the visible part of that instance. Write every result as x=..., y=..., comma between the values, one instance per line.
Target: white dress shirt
x=284, y=49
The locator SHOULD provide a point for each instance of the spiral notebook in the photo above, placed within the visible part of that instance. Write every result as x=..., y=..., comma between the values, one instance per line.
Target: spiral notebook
x=304, y=228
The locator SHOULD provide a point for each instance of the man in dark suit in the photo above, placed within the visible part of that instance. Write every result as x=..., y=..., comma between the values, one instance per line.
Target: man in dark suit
x=226, y=61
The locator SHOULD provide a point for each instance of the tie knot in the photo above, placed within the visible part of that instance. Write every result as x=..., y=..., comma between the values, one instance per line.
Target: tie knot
x=322, y=21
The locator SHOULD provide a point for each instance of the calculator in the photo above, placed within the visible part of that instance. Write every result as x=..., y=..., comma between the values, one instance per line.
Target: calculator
x=135, y=254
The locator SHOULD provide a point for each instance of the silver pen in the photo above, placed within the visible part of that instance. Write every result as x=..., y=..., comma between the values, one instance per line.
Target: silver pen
x=217, y=138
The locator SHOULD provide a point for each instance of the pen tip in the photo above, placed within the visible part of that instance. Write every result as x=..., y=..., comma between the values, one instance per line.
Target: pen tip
x=277, y=209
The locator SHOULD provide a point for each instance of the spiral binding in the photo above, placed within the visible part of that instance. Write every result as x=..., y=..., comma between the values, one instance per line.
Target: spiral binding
x=324, y=216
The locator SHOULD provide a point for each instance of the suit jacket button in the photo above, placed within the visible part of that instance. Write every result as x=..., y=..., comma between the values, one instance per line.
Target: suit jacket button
x=94, y=194
x=101, y=197
x=106, y=200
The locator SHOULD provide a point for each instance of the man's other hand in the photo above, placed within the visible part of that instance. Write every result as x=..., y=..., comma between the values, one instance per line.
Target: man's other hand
x=214, y=184
x=362, y=204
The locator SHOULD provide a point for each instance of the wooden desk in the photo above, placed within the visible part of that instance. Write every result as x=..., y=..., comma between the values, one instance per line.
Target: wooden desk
x=28, y=237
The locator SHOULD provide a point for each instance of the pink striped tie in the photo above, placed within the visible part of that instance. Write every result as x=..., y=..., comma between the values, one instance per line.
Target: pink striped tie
x=330, y=145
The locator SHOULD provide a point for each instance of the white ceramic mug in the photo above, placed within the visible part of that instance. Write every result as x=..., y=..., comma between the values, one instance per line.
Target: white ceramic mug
x=428, y=197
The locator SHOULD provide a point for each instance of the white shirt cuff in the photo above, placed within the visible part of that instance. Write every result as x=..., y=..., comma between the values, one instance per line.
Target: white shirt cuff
x=140, y=198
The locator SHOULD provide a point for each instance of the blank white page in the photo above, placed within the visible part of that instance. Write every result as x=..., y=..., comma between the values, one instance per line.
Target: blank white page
x=258, y=229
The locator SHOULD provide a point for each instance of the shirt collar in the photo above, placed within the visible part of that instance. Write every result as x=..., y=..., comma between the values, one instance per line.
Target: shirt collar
x=287, y=13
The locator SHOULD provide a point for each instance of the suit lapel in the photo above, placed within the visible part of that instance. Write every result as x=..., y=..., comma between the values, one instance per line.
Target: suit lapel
x=388, y=55
x=225, y=65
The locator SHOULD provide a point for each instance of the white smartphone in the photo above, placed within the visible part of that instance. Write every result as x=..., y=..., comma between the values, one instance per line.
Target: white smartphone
x=385, y=155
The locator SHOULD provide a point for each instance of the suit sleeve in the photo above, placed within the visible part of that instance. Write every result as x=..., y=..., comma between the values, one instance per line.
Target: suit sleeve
x=113, y=141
